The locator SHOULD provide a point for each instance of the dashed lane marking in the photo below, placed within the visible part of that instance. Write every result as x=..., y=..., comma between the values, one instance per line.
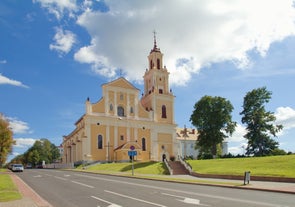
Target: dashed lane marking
x=111, y=204
x=89, y=186
x=136, y=199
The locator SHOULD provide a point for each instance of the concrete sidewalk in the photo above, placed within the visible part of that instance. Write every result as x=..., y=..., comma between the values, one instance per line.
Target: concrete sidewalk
x=281, y=187
x=32, y=199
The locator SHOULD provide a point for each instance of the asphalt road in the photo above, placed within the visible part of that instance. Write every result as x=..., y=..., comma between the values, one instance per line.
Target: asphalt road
x=70, y=189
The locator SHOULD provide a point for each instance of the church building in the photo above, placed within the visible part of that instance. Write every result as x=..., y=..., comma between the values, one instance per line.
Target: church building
x=124, y=120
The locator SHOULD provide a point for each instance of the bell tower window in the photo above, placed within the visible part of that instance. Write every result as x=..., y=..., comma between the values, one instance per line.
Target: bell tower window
x=158, y=63
x=151, y=64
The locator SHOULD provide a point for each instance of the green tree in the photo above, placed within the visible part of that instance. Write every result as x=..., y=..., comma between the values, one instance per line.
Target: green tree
x=212, y=118
x=18, y=159
x=45, y=154
x=6, y=140
x=260, y=123
x=55, y=153
x=42, y=150
x=32, y=156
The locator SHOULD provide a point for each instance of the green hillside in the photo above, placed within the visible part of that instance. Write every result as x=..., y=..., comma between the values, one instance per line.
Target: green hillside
x=157, y=168
x=279, y=166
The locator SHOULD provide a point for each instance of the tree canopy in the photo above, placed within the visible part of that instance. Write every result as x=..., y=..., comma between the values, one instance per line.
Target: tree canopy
x=6, y=139
x=260, y=123
x=42, y=150
x=212, y=118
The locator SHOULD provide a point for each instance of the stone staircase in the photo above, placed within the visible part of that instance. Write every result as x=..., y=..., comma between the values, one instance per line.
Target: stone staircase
x=178, y=168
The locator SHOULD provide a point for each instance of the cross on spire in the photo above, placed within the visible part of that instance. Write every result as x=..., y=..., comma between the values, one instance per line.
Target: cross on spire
x=155, y=49
x=155, y=40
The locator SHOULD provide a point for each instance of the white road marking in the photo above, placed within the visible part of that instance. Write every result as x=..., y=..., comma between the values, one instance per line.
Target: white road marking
x=136, y=199
x=111, y=204
x=187, y=200
x=67, y=175
x=89, y=186
x=186, y=192
x=37, y=176
x=60, y=178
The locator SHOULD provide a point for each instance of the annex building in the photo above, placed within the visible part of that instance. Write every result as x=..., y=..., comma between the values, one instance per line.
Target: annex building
x=123, y=120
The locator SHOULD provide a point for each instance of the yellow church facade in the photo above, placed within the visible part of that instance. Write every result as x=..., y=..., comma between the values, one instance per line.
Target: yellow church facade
x=124, y=120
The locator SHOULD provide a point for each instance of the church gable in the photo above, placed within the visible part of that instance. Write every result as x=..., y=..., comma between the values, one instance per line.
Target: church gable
x=120, y=83
x=99, y=106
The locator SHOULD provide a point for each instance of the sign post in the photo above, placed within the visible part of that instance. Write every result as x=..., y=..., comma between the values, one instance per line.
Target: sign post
x=132, y=153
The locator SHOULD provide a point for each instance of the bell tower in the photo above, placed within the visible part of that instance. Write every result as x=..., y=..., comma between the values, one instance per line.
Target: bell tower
x=157, y=96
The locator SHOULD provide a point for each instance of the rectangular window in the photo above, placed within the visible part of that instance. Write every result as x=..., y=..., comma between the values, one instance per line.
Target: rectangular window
x=122, y=137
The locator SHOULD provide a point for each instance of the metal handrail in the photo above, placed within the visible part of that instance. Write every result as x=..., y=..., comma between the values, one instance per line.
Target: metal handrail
x=185, y=164
x=168, y=166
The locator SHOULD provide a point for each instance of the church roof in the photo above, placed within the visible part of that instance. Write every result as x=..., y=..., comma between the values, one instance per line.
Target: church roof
x=191, y=134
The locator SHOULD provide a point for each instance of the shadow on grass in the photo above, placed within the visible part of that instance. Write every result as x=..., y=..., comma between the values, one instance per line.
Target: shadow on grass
x=139, y=165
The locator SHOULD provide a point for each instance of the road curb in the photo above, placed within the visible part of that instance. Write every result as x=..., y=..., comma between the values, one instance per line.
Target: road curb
x=28, y=192
x=242, y=187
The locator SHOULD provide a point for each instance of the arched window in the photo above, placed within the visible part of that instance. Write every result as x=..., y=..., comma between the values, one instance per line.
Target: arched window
x=164, y=115
x=158, y=63
x=111, y=107
x=151, y=64
x=120, y=111
x=143, y=144
x=99, y=142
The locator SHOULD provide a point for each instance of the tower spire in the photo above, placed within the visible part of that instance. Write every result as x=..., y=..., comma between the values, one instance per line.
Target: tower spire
x=155, y=40
x=155, y=49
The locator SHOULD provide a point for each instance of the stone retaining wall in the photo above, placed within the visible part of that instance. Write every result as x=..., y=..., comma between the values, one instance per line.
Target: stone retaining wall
x=238, y=177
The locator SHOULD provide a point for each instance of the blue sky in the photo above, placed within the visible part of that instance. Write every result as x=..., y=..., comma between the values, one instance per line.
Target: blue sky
x=56, y=53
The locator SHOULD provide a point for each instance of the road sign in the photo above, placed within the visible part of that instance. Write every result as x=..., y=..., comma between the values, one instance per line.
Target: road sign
x=132, y=153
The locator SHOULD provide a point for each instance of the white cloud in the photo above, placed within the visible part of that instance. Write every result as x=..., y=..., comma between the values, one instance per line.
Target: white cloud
x=64, y=40
x=5, y=80
x=200, y=34
x=58, y=7
x=237, y=141
x=239, y=149
x=3, y=61
x=18, y=127
x=238, y=135
x=100, y=64
x=24, y=142
x=14, y=154
x=286, y=117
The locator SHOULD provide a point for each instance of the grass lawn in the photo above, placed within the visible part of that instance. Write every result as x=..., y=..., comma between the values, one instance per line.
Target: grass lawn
x=278, y=166
x=8, y=191
x=3, y=170
x=157, y=168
